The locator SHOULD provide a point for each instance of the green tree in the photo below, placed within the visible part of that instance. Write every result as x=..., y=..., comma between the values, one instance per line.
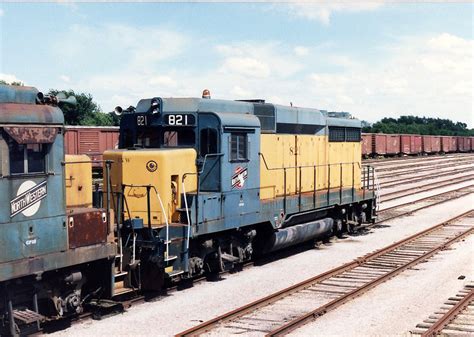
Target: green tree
x=17, y=83
x=420, y=125
x=85, y=111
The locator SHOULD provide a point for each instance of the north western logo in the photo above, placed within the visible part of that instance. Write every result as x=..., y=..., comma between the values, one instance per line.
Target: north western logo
x=28, y=199
x=239, y=177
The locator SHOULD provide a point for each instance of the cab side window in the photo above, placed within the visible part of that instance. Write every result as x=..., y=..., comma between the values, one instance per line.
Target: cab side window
x=208, y=141
x=27, y=158
x=238, y=147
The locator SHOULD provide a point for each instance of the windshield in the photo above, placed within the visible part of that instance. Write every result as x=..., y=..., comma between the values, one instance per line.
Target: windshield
x=170, y=137
x=178, y=137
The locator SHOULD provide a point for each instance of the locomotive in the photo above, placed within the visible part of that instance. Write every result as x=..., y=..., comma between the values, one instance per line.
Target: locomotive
x=57, y=250
x=198, y=185
x=202, y=185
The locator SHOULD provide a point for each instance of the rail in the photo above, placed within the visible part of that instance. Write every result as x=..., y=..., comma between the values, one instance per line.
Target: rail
x=362, y=275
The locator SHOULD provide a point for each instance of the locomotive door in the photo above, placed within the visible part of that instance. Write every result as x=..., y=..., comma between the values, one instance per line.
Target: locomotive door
x=209, y=145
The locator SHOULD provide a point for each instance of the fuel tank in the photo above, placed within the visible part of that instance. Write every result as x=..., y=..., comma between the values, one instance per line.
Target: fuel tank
x=293, y=235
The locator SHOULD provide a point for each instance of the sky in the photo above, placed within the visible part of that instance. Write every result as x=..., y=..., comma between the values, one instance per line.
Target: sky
x=373, y=59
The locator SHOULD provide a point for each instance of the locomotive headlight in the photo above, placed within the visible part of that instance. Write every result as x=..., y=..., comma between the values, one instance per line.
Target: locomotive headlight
x=155, y=106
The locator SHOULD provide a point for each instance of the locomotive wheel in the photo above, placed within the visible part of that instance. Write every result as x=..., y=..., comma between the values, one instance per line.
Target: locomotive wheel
x=338, y=228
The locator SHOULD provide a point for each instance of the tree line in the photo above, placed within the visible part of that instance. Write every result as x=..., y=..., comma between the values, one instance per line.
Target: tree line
x=419, y=125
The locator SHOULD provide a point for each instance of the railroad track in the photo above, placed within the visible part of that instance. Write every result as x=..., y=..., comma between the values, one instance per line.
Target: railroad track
x=455, y=318
x=421, y=167
x=408, y=164
x=408, y=159
x=290, y=308
x=384, y=161
x=414, y=179
x=423, y=188
x=433, y=200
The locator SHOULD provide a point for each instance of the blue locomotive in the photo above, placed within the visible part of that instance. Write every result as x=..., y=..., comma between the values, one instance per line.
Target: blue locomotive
x=53, y=255
x=197, y=185
x=204, y=184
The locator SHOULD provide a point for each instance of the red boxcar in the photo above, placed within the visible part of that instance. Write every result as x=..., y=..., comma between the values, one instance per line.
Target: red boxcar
x=90, y=140
x=366, y=144
x=464, y=144
x=436, y=144
x=410, y=144
x=472, y=143
x=445, y=144
x=393, y=144
x=379, y=144
x=454, y=143
x=426, y=143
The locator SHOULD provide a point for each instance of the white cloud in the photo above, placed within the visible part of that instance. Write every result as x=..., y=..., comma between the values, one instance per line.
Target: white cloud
x=2, y=12
x=429, y=76
x=259, y=60
x=322, y=12
x=65, y=78
x=9, y=78
x=239, y=92
x=163, y=81
x=301, y=51
x=246, y=66
x=420, y=75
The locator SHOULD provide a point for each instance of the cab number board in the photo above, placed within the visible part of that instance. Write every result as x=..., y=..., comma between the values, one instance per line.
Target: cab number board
x=142, y=120
x=180, y=120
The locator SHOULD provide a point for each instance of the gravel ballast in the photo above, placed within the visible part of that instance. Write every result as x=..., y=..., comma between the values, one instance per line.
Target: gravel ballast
x=184, y=309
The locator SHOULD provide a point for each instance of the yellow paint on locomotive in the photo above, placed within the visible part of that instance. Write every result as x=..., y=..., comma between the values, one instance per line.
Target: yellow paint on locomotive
x=163, y=169
x=78, y=181
x=306, y=151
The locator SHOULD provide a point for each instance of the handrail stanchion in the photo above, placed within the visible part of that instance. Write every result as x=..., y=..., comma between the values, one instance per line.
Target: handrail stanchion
x=364, y=169
x=284, y=187
x=148, y=206
x=314, y=186
x=329, y=183
x=340, y=184
x=299, y=190
x=353, y=182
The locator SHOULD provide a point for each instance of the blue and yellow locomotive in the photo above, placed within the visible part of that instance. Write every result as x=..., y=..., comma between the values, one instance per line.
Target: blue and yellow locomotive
x=56, y=250
x=204, y=184
x=198, y=185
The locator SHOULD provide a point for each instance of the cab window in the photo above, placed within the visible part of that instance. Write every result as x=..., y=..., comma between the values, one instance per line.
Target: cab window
x=27, y=158
x=181, y=137
x=238, y=147
x=208, y=141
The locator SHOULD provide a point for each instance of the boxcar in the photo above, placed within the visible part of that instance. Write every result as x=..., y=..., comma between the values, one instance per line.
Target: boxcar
x=410, y=144
x=379, y=144
x=448, y=144
x=393, y=144
x=436, y=144
x=91, y=140
x=464, y=144
x=427, y=146
x=366, y=144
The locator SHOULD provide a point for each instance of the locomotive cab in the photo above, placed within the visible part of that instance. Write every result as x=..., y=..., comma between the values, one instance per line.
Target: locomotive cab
x=179, y=166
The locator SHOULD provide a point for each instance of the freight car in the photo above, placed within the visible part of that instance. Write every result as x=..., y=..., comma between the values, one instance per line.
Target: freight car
x=374, y=145
x=56, y=251
x=91, y=141
x=202, y=185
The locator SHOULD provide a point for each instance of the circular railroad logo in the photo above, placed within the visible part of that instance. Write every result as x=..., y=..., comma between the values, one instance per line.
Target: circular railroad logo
x=151, y=166
x=28, y=198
